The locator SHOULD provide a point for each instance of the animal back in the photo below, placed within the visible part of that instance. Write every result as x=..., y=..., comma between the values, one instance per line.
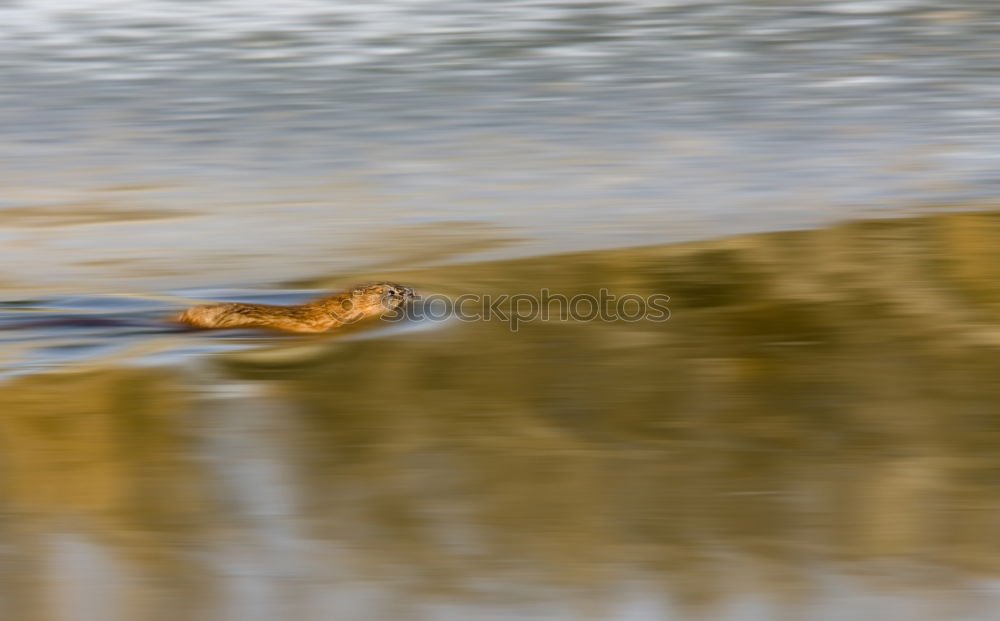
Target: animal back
x=290, y=318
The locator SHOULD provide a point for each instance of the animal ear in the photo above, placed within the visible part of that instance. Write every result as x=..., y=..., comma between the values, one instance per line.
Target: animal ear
x=358, y=291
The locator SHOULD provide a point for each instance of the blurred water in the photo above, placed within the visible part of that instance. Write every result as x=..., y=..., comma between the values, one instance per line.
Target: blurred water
x=323, y=128
x=812, y=435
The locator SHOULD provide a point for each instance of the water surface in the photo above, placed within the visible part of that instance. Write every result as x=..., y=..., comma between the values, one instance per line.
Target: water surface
x=812, y=434
x=158, y=144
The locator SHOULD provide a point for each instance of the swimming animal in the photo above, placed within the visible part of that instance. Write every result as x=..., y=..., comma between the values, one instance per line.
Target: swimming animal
x=320, y=315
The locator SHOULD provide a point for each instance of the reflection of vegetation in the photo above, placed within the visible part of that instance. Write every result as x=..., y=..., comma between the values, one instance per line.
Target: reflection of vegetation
x=94, y=452
x=78, y=214
x=81, y=453
x=817, y=397
x=829, y=392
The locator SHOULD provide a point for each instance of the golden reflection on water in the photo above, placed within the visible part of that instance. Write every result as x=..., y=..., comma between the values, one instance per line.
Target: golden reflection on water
x=814, y=430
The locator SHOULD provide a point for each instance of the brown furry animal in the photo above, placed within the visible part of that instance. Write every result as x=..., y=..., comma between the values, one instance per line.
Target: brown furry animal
x=362, y=302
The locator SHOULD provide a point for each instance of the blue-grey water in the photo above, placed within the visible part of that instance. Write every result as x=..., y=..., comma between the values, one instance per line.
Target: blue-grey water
x=811, y=435
x=250, y=142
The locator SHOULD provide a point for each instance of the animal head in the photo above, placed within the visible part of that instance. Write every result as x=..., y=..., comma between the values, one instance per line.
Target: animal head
x=385, y=294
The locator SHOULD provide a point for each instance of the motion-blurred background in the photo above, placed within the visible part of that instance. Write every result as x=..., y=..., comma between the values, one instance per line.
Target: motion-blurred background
x=813, y=434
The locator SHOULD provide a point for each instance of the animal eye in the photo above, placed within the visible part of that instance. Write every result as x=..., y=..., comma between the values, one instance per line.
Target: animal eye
x=392, y=292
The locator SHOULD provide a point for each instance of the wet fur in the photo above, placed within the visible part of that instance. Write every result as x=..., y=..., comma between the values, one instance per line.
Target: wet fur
x=322, y=315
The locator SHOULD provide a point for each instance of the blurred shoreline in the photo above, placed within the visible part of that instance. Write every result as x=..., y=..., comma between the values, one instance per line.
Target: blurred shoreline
x=95, y=249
